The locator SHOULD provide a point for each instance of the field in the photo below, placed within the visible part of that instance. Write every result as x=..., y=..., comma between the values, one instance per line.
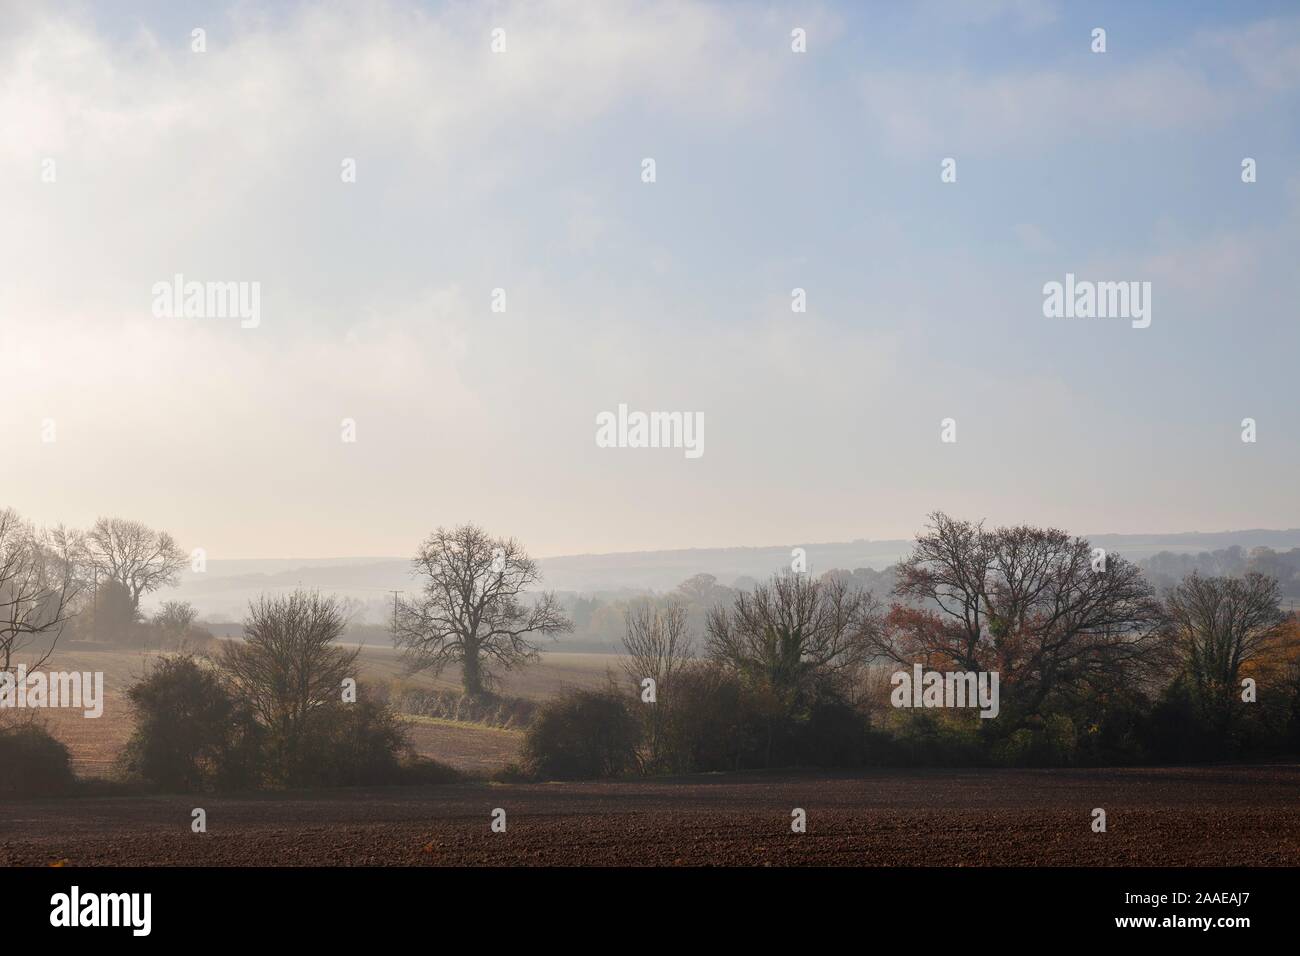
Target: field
x=95, y=744
x=1245, y=816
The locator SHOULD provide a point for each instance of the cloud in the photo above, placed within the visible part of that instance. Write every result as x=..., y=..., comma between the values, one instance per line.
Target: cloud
x=1267, y=52
x=1036, y=110
x=1210, y=79
x=519, y=170
x=1026, y=14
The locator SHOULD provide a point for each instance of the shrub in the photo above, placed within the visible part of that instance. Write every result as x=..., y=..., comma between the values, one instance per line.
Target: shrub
x=834, y=735
x=290, y=669
x=1178, y=731
x=1044, y=742
x=580, y=735
x=709, y=722
x=1110, y=729
x=928, y=738
x=34, y=763
x=191, y=733
x=350, y=745
x=421, y=770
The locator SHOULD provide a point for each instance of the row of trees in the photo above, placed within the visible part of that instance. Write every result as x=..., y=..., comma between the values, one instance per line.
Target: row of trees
x=1083, y=647
x=1088, y=653
x=1165, y=569
x=1037, y=605
x=48, y=576
x=282, y=707
x=1083, y=644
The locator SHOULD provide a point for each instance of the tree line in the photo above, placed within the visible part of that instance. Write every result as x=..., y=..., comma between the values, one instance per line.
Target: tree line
x=1096, y=665
x=92, y=582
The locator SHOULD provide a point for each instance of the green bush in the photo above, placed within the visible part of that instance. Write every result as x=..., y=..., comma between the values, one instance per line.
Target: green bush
x=32, y=762
x=1044, y=742
x=580, y=735
x=191, y=733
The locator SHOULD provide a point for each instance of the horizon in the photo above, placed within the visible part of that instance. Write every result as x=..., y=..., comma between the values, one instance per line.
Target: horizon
x=758, y=547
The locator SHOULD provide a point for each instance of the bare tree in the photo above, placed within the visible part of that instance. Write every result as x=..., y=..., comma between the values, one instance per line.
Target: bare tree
x=655, y=639
x=175, y=623
x=658, y=645
x=1219, y=624
x=288, y=665
x=1043, y=609
x=39, y=582
x=793, y=631
x=174, y=618
x=135, y=556
x=472, y=611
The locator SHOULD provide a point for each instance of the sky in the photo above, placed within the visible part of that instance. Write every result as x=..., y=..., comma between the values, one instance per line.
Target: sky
x=522, y=170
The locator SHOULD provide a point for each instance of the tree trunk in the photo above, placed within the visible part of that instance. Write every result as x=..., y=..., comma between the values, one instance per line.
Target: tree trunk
x=472, y=674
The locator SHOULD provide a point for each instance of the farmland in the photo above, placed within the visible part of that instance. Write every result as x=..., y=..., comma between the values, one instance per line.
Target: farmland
x=1209, y=816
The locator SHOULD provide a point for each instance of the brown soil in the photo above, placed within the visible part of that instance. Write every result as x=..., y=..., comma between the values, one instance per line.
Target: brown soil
x=1163, y=817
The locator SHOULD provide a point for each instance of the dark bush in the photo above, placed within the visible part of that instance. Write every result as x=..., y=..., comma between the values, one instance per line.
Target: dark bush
x=421, y=770
x=33, y=763
x=929, y=738
x=1043, y=742
x=582, y=735
x=191, y=733
x=1110, y=730
x=1177, y=731
x=709, y=722
x=351, y=745
x=834, y=734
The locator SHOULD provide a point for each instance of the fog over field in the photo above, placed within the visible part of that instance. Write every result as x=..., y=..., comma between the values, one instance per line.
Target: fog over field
x=223, y=590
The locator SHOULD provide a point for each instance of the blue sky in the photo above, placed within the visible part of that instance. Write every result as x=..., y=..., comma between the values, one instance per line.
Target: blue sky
x=775, y=170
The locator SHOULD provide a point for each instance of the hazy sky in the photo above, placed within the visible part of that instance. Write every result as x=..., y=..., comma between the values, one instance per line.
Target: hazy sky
x=522, y=170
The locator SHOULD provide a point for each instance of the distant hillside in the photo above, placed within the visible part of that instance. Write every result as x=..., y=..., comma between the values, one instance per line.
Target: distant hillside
x=224, y=590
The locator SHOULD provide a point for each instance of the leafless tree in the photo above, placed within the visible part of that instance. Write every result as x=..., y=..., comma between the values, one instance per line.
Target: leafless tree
x=655, y=639
x=175, y=617
x=793, y=631
x=658, y=645
x=472, y=611
x=174, y=621
x=289, y=665
x=39, y=583
x=1219, y=624
x=135, y=556
x=1038, y=606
